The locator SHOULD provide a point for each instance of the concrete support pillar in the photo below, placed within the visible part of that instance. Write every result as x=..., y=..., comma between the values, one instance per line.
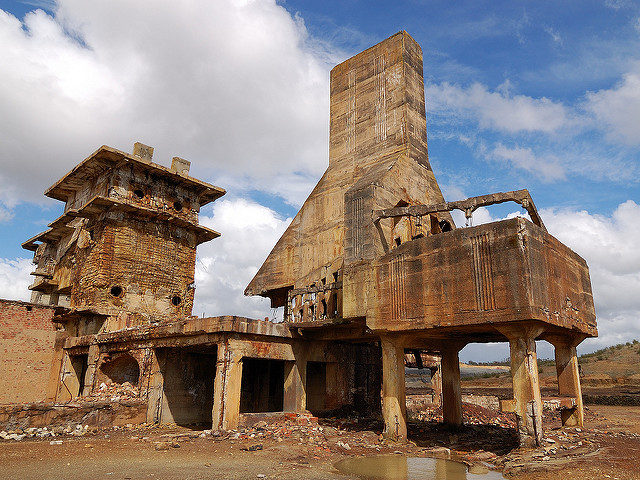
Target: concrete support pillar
x=226, y=403
x=155, y=390
x=92, y=366
x=69, y=384
x=568, y=376
x=55, y=372
x=436, y=383
x=295, y=396
x=451, y=392
x=394, y=403
x=527, y=402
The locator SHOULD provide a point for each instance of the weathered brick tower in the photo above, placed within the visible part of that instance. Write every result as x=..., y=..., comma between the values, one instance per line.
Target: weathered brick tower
x=124, y=250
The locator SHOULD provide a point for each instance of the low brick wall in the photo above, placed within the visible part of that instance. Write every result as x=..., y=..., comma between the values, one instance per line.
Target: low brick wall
x=26, y=350
x=94, y=414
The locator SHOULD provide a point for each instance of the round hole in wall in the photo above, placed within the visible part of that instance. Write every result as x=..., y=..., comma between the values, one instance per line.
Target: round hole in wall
x=176, y=300
x=138, y=193
x=177, y=206
x=116, y=291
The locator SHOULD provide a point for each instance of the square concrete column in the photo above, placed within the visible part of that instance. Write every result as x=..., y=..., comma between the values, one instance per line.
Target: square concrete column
x=436, y=383
x=527, y=402
x=92, y=366
x=451, y=392
x=226, y=392
x=568, y=376
x=155, y=390
x=295, y=397
x=394, y=403
x=55, y=373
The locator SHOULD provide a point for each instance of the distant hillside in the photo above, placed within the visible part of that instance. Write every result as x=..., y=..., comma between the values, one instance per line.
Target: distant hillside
x=617, y=361
x=620, y=361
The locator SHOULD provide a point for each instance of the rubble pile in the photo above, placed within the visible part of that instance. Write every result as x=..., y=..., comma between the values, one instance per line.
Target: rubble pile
x=113, y=392
x=471, y=415
x=326, y=438
x=44, y=432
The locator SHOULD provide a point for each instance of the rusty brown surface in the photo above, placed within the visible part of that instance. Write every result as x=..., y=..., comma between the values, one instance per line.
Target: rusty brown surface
x=468, y=206
x=504, y=271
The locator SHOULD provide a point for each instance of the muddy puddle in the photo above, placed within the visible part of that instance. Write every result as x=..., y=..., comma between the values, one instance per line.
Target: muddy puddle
x=396, y=467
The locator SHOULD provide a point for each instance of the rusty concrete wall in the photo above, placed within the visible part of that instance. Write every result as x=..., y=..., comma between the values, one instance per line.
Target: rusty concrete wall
x=157, y=192
x=98, y=414
x=499, y=272
x=26, y=351
x=398, y=180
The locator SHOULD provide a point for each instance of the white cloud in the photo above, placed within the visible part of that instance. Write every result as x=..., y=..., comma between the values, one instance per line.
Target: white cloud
x=227, y=264
x=15, y=278
x=548, y=169
x=499, y=110
x=616, y=4
x=554, y=34
x=609, y=245
x=618, y=108
x=237, y=87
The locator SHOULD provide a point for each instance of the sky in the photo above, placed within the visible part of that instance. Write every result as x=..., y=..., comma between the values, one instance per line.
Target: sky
x=535, y=95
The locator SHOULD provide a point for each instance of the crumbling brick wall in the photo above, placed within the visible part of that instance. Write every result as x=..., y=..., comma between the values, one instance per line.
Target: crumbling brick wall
x=26, y=350
x=152, y=265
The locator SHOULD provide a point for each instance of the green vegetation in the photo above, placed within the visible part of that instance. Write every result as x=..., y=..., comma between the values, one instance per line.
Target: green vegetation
x=606, y=352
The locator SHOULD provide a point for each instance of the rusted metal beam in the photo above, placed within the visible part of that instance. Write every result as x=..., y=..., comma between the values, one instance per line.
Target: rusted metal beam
x=468, y=206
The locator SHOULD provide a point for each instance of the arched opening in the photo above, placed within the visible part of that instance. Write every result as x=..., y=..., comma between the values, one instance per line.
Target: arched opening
x=121, y=369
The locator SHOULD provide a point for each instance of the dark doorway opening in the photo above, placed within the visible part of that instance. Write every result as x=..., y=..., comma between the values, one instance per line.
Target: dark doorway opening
x=188, y=385
x=316, y=386
x=262, y=388
x=368, y=383
x=80, y=363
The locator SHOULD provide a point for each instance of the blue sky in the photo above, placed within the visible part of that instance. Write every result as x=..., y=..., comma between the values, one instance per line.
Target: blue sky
x=536, y=95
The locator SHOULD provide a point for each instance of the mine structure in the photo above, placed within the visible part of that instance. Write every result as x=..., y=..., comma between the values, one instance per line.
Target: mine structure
x=372, y=274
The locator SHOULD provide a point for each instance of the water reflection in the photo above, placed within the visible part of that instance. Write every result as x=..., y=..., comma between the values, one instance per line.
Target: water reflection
x=396, y=467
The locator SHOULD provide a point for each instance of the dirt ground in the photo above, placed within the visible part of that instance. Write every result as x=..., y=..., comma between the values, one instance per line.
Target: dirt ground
x=609, y=447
